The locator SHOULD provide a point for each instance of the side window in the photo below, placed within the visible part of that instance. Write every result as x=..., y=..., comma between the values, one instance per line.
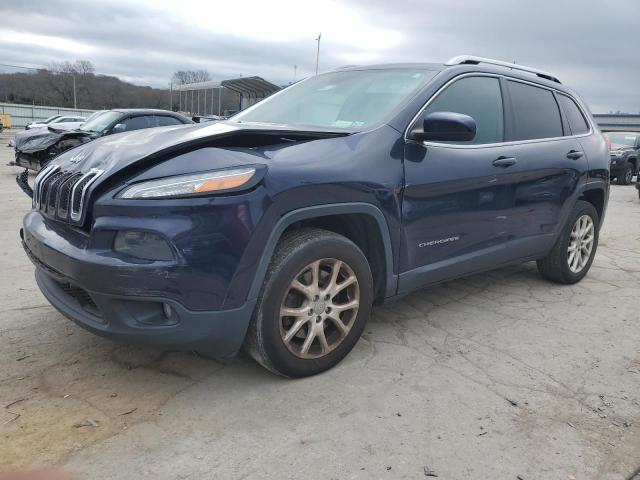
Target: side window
x=535, y=111
x=136, y=123
x=481, y=99
x=577, y=122
x=164, y=121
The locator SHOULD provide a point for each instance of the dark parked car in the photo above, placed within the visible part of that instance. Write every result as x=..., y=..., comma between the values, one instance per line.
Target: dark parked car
x=625, y=149
x=35, y=147
x=279, y=228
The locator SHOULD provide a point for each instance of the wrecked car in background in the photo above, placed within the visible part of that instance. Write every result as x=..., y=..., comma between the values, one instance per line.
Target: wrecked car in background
x=33, y=149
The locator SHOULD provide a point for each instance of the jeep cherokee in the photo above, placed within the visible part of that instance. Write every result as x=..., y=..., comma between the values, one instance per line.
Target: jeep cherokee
x=278, y=229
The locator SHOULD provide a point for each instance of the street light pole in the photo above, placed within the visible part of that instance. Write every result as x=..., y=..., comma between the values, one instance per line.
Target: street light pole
x=75, y=104
x=318, y=52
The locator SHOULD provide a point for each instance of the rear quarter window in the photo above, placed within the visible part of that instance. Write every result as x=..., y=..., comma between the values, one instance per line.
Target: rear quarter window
x=164, y=121
x=536, y=113
x=577, y=123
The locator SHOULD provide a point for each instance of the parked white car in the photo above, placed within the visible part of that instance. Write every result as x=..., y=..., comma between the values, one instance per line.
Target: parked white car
x=56, y=120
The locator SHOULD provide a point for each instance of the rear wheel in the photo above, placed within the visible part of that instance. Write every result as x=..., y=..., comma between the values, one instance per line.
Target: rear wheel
x=315, y=302
x=572, y=255
x=626, y=176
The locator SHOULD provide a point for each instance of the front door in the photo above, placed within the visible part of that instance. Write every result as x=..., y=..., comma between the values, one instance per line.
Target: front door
x=459, y=197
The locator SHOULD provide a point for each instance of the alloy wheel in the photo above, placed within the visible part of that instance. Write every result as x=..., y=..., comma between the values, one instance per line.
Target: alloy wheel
x=319, y=308
x=580, y=243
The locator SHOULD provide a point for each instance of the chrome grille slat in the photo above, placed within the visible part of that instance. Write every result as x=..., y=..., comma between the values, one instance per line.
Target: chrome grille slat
x=64, y=196
x=78, y=193
x=40, y=180
x=52, y=193
x=61, y=194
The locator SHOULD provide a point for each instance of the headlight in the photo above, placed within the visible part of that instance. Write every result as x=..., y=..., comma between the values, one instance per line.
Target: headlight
x=192, y=184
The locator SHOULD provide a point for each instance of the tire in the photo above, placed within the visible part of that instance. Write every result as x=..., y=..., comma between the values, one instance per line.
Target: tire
x=556, y=265
x=271, y=340
x=626, y=176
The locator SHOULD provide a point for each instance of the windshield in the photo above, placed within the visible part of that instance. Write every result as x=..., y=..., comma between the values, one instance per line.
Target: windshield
x=343, y=100
x=94, y=115
x=100, y=122
x=623, y=139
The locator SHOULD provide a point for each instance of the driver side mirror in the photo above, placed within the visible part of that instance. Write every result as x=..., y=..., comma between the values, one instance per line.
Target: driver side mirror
x=118, y=128
x=444, y=127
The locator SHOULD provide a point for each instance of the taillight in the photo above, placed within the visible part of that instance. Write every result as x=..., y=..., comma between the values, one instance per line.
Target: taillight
x=608, y=139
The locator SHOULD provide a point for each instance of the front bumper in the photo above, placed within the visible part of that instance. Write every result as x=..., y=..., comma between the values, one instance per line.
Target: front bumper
x=119, y=301
x=26, y=161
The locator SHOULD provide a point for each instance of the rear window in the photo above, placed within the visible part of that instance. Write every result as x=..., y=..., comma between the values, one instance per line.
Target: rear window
x=576, y=120
x=536, y=112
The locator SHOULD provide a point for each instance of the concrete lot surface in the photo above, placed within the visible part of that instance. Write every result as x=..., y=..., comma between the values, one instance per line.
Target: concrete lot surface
x=498, y=376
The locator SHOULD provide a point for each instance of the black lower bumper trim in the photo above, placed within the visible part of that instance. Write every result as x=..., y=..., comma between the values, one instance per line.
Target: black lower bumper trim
x=143, y=319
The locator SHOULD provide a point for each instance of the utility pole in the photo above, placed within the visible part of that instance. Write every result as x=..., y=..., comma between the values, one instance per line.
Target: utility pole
x=295, y=72
x=171, y=95
x=75, y=104
x=318, y=52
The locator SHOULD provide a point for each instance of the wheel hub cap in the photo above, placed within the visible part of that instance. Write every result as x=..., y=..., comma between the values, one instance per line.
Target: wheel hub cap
x=580, y=244
x=319, y=308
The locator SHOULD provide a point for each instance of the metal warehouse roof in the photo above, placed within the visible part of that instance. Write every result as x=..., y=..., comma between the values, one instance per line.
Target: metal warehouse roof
x=251, y=86
x=256, y=87
x=197, y=86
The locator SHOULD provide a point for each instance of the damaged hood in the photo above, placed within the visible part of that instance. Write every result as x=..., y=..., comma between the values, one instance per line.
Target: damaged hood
x=115, y=152
x=38, y=139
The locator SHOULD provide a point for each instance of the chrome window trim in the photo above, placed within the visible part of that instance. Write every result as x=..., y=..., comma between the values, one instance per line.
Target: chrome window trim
x=498, y=144
x=76, y=215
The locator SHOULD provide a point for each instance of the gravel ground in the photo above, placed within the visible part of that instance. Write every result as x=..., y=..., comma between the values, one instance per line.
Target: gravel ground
x=497, y=376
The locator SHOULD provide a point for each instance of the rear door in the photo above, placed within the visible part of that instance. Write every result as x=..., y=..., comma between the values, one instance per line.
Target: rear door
x=556, y=164
x=459, y=196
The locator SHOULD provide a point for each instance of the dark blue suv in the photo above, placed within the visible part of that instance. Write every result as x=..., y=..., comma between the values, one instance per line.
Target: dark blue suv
x=278, y=229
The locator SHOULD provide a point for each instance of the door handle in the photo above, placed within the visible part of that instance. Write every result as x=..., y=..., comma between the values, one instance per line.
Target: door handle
x=575, y=154
x=504, y=162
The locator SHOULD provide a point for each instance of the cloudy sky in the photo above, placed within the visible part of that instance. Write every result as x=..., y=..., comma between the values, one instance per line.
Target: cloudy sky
x=592, y=45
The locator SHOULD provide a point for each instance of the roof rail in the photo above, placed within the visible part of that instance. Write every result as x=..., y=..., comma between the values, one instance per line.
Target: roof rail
x=471, y=60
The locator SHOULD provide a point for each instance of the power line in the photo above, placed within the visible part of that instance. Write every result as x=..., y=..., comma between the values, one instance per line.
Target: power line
x=18, y=66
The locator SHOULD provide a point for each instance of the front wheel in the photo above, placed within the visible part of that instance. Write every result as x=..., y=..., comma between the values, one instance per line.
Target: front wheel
x=314, y=305
x=573, y=253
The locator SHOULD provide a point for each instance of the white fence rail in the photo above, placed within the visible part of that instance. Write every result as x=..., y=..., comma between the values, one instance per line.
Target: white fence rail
x=23, y=114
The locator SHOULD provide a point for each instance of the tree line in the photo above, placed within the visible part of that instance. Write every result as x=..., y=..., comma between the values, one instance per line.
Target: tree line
x=54, y=86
